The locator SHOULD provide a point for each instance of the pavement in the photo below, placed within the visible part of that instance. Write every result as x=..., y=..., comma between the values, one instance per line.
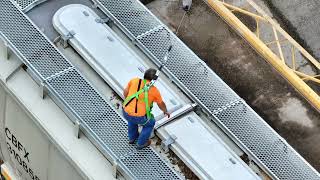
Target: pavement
x=302, y=19
x=247, y=73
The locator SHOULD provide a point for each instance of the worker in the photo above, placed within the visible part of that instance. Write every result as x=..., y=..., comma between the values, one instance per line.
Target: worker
x=140, y=95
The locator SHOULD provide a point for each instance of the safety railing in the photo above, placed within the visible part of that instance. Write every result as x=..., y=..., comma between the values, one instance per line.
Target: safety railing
x=101, y=123
x=191, y=74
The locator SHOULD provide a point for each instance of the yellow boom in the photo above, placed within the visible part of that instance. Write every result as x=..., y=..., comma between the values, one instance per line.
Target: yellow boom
x=286, y=66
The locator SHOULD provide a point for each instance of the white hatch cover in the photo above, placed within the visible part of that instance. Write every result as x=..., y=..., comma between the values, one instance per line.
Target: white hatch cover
x=205, y=151
x=106, y=52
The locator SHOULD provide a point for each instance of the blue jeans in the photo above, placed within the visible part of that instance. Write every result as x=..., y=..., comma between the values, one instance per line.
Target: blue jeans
x=133, y=124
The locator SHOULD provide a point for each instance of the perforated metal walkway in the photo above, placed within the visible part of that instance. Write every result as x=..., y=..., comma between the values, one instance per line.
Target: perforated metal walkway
x=26, y=5
x=99, y=121
x=227, y=109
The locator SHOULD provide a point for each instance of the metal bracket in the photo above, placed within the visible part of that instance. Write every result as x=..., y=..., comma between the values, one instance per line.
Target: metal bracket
x=13, y=72
x=115, y=169
x=43, y=90
x=77, y=129
x=134, y=41
x=181, y=111
x=165, y=145
x=103, y=20
x=57, y=39
x=65, y=38
x=6, y=51
x=94, y=5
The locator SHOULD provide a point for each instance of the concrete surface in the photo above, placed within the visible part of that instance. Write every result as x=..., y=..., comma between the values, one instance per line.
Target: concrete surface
x=302, y=19
x=266, y=34
x=247, y=73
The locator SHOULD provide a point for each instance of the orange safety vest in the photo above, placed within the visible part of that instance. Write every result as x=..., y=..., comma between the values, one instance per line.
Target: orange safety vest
x=135, y=103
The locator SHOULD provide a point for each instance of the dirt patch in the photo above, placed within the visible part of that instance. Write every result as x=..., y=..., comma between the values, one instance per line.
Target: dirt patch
x=247, y=20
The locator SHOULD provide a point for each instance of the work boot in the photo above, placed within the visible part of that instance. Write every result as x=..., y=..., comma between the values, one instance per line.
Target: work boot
x=132, y=141
x=145, y=145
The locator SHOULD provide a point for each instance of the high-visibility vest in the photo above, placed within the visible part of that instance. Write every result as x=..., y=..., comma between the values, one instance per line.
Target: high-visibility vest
x=144, y=90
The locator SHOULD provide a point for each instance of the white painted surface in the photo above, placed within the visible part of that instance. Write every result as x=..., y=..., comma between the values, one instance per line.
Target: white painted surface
x=2, y=125
x=59, y=166
x=106, y=52
x=45, y=130
x=206, y=151
x=21, y=128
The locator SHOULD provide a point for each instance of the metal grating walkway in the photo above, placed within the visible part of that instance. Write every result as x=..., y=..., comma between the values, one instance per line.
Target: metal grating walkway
x=39, y=54
x=189, y=72
x=77, y=97
x=26, y=5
